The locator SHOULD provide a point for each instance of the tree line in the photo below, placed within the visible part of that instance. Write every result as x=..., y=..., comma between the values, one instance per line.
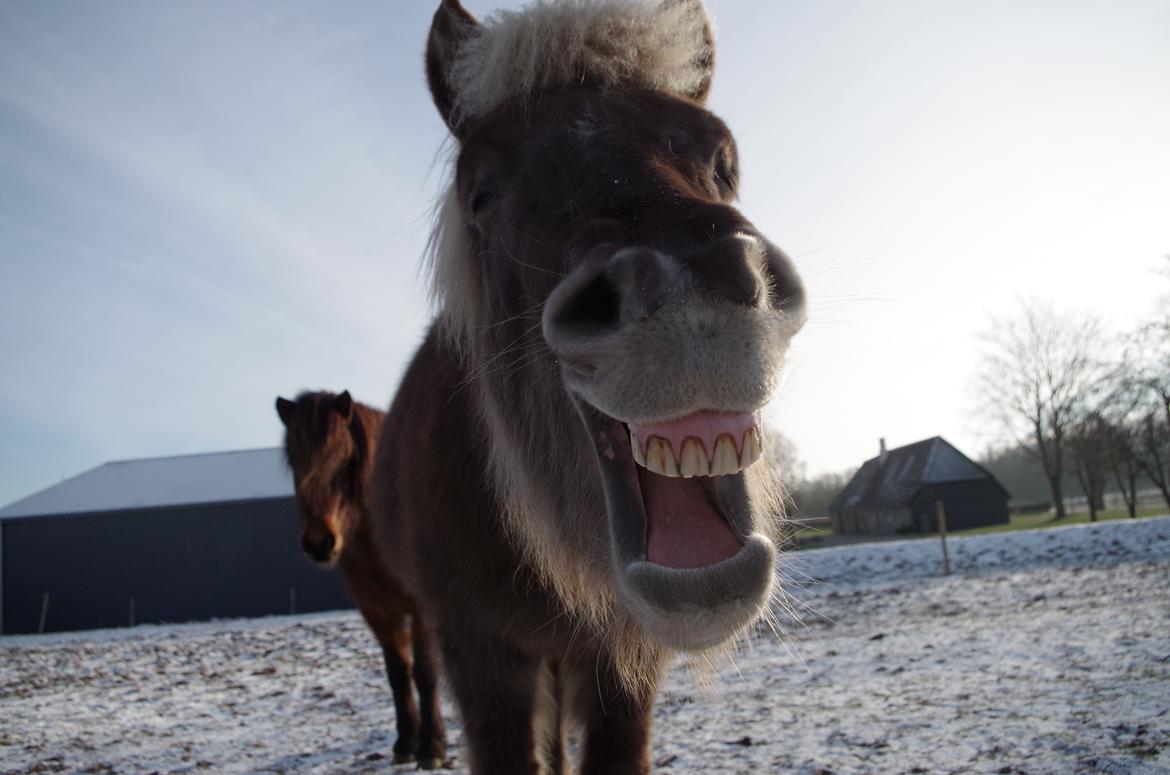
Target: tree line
x=1081, y=401
x=1082, y=404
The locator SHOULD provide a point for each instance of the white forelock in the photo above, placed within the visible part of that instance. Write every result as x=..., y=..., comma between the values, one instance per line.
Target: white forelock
x=655, y=44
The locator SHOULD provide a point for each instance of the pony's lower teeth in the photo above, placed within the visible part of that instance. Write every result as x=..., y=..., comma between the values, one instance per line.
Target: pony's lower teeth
x=693, y=460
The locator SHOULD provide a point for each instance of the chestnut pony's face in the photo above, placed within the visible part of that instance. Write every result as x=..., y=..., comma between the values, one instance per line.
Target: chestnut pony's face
x=321, y=453
x=607, y=215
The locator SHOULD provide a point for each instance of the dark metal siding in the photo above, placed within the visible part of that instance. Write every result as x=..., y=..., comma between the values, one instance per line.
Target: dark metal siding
x=178, y=564
x=970, y=504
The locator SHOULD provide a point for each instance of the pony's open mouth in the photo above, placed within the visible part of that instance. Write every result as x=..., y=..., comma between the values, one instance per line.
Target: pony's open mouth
x=676, y=490
x=679, y=463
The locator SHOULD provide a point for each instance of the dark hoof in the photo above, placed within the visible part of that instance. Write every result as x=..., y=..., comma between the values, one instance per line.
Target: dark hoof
x=430, y=764
x=403, y=758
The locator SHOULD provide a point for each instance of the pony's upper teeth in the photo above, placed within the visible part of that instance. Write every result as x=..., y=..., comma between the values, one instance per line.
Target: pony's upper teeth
x=753, y=447
x=694, y=459
x=660, y=458
x=725, y=460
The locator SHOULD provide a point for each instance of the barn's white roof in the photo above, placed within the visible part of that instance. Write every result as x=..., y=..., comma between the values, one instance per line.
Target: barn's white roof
x=252, y=474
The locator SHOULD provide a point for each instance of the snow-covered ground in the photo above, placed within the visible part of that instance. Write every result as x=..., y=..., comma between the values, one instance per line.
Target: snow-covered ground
x=1043, y=652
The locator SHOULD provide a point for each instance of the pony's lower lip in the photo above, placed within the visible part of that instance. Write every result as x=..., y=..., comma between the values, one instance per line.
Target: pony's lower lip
x=328, y=563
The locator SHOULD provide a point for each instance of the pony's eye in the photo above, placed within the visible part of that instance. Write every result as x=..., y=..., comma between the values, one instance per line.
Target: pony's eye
x=724, y=177
x=481, y=199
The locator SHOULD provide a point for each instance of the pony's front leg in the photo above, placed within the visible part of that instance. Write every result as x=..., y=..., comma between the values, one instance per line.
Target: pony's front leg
x=495, y=685
x=549, y=719
x=396, y=654
x=616, y=723
x=432, y=733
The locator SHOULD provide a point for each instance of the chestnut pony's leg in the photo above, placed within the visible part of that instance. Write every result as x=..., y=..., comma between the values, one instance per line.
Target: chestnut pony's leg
x=396, y=653
x=432, y=734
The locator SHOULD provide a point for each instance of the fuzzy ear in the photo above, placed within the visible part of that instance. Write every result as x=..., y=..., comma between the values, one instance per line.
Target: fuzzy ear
x=451, y=26
x=707, y=62
x=343, y=403
x=286, y=409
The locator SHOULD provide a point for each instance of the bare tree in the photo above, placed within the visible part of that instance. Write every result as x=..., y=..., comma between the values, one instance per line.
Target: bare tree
x=786, y=464
x=1088, y=447
x=784, y=457
x=1147, y=365
x=1148, y=352
x=1122, y=443
x=1122, y=452
x=814, y=495
x=1154, y=452
x=1038, y=374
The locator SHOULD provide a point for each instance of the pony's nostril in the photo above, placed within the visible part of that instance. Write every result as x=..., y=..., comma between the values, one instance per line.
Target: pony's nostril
x=611, y=290
x=786, y=291
x=595, y=306
x=327, y=544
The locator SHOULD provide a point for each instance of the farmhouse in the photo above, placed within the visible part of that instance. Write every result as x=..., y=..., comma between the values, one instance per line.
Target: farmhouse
x=168, y=539
x=895, y=492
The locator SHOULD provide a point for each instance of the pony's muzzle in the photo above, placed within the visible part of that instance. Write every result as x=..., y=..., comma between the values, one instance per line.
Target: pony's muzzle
x=613, y=289
x=320, y=548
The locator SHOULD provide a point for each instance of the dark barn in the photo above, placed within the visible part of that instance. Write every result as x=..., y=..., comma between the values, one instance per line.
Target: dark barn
x=171, y=539
x=895, y=492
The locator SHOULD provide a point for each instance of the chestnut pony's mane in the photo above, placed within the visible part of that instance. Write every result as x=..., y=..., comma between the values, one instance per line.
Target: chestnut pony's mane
x=311, y=439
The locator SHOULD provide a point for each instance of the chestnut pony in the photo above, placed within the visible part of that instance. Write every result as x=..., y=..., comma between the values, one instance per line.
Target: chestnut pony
x=570, y=479
x=329, y=442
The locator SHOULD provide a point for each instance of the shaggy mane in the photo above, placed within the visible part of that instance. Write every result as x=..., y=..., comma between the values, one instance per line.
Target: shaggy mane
x=650, y=44
x=453, y=283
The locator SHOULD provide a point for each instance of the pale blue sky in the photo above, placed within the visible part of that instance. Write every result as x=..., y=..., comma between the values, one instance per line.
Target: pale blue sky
x=203, y=205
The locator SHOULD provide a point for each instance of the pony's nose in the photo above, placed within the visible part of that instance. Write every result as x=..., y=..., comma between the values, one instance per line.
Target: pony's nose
x=608, y=292
x=320, y=549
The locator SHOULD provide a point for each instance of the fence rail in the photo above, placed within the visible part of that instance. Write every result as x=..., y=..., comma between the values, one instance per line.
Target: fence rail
x=1146, y=499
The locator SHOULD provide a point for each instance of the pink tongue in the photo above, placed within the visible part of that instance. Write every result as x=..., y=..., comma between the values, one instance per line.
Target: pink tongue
x=683, y=529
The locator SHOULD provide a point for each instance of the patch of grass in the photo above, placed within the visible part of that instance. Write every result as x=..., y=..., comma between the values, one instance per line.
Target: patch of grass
x=805, y=536
x=1034, y=521
x=810, y=536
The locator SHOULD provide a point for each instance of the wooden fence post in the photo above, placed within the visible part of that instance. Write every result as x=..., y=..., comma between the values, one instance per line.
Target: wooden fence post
x=942, y=532
x=44, y=613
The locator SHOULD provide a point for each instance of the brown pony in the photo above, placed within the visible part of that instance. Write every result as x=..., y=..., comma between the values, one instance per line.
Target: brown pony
x=329, y=441
x=570, y=477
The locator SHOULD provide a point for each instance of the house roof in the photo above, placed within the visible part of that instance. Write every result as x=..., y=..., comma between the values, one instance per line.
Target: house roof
x=253, y=474
x=892, y=484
